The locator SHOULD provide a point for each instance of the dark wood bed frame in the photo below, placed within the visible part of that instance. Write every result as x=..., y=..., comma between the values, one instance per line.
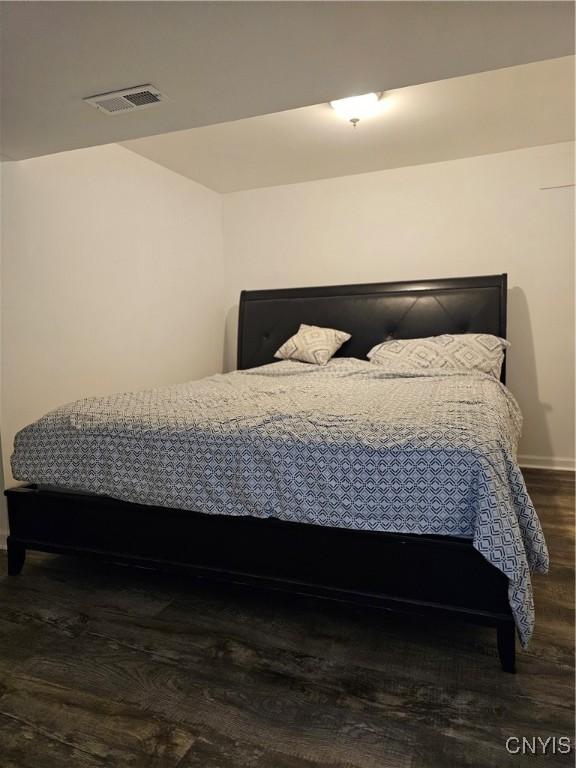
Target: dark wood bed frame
x=439, y=575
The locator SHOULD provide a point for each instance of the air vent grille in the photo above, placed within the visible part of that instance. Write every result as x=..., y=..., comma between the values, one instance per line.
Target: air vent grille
x=143, y=97
x=127, y=100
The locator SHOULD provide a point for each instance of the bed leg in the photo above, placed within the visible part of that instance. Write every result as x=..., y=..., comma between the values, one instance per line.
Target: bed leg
x=16, y=557
x=506, y=637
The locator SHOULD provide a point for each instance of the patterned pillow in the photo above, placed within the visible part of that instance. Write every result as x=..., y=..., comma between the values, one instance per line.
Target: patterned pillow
x=312, y=344
x=449, y=352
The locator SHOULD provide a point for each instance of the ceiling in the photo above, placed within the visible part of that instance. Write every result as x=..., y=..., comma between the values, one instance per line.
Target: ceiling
x=218, y=61
x=477, y=114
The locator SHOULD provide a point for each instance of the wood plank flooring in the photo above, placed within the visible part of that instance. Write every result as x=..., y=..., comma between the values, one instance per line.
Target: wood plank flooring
x=119, y=667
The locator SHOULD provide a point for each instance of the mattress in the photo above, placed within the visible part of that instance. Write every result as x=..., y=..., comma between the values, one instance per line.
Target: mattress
x=346, y=445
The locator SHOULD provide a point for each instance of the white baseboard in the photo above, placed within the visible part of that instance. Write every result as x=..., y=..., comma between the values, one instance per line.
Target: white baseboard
x=547, y=462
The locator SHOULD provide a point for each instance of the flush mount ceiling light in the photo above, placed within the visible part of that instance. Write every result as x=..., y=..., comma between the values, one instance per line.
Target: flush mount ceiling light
x=356, y=108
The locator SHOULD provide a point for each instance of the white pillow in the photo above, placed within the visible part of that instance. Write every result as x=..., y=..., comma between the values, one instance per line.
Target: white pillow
x=449, y=352
x=312, y=345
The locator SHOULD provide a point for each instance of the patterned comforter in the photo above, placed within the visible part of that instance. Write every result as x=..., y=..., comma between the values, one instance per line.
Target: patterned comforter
x=345, y=445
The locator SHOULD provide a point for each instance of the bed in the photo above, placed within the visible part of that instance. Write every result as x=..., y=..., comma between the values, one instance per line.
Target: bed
x=118, y=478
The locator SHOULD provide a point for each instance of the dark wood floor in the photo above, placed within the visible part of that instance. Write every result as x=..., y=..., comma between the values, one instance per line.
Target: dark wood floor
x=110, y=666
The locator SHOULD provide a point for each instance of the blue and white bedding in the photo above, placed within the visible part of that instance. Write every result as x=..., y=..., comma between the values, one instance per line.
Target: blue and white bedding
x=345, y=445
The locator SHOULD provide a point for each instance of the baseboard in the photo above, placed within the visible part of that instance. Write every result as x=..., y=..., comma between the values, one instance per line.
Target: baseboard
x=3, y=537
x=547, y=462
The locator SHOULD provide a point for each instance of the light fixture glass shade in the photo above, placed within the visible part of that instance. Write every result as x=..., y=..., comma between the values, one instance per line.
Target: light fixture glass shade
x=355, y=108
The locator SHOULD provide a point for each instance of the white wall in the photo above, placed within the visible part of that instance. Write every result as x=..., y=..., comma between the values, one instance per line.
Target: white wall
x=475, y=216
x=112, y=280
x=3, y=511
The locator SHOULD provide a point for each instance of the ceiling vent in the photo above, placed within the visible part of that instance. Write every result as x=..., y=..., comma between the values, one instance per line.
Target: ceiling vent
x=127, y=100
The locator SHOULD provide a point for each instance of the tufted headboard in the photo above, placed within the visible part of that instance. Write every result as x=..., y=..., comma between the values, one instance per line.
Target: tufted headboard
x=371, y=313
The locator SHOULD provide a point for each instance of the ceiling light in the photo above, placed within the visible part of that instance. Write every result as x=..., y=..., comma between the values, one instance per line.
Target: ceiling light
x=355, y=108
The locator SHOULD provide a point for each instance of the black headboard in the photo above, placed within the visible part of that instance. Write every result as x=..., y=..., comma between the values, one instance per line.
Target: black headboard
x=371, y=313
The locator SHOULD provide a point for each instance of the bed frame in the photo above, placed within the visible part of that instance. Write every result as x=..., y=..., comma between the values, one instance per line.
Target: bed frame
x=440, y=575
